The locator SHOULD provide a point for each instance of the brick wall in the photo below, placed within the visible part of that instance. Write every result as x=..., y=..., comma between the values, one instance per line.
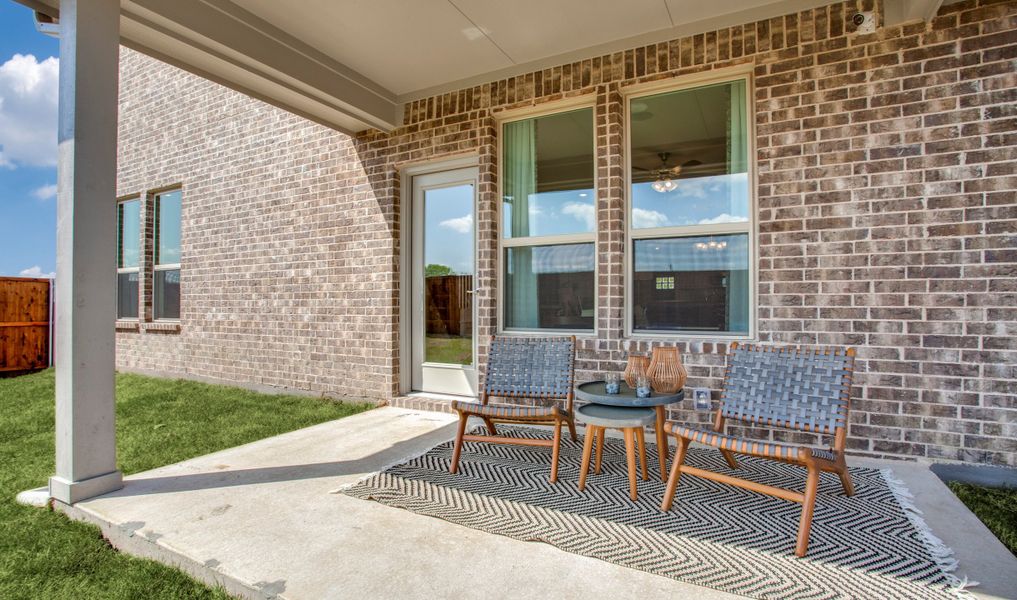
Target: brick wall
x=887, y=199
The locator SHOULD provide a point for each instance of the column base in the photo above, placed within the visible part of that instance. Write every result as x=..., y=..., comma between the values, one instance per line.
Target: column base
x=70, y=492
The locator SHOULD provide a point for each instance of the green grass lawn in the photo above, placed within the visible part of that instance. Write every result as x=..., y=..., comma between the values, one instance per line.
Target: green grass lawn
x=449, y=349
x=43, y=554
x=996, y=507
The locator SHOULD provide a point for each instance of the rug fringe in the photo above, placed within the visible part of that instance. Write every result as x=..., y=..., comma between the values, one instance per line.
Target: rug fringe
x=941, y=553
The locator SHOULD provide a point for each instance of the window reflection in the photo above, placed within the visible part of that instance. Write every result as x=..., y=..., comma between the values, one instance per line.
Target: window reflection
x=550, y=287
x=694, y=141
x=548, y=171
x=692, y=284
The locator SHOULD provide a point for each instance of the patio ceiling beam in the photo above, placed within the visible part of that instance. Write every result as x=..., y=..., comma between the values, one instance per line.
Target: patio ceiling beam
x=220, y=41
x=902, y=11
x=86, y=245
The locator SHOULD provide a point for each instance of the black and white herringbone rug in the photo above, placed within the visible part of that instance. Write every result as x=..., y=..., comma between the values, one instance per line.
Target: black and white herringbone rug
x=871, y=545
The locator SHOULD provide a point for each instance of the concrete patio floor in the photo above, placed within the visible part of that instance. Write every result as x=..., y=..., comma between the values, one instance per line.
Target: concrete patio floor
x=262, y=520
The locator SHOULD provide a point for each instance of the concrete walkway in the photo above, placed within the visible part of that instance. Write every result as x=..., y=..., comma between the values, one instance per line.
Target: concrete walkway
x=261, y=520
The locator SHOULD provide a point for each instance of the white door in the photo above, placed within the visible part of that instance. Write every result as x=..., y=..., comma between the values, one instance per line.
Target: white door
x=443, y=256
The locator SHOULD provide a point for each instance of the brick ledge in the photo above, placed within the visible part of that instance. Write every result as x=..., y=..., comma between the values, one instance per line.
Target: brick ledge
x=166, y=327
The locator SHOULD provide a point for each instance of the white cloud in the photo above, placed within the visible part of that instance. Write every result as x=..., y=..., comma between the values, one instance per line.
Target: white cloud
x=35, y=271
x=45, y=192
x=461, y=224
x=722, y=218
x=584, y=212
x=28, y=111
x=642, y=217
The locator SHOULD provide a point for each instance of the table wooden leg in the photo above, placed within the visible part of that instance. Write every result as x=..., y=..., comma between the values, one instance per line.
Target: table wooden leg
x=585, y=462
x=600, y=449
x=662, y=450
x=641, y=439
x=630, y=458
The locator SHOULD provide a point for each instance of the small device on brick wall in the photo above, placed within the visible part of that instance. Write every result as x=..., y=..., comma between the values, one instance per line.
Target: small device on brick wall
x=864, y=22
x=701, y=398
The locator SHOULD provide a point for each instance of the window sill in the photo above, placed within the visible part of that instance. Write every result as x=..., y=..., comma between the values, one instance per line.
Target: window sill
x=539, y=333
x=126, y=325
x=163, y=326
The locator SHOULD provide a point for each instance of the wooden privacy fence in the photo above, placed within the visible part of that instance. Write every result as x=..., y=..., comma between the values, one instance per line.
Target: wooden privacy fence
x=24, y=324
x=449, y=305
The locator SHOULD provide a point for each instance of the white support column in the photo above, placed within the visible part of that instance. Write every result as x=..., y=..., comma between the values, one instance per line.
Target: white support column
x=86, y=247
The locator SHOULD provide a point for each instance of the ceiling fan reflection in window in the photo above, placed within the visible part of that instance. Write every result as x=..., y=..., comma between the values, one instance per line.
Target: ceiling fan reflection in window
x=664, y=176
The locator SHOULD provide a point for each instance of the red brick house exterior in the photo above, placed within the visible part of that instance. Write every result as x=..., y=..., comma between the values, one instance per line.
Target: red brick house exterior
x=886, y=199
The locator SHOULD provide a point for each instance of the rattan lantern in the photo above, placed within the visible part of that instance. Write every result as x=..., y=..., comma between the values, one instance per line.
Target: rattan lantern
x=667, y=373
x=638, y=365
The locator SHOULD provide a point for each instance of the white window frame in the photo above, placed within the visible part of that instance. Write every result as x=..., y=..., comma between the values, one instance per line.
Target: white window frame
x=156, y=267
x=522, y=114
x=120, y=254
x=741, y=72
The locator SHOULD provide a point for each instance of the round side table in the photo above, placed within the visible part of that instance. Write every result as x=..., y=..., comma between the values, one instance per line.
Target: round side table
x=595, y=392
x=631, y=421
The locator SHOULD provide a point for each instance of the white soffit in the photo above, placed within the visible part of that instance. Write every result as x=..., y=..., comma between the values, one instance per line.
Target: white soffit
x=529, y=30
x=403, y=45
x=420, y=48
x=351, y=64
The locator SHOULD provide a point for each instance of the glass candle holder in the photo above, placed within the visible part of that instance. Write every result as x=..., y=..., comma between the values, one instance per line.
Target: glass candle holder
x=612, y=383
x=643, y=387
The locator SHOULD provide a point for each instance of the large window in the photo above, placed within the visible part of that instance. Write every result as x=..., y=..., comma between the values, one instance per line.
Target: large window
x=128, y=257
x=166, y=260
x=549, y=222
x=691, y=206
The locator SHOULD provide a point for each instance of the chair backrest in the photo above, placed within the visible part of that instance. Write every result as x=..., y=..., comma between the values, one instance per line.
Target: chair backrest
x=800, y=388
x=519, y=367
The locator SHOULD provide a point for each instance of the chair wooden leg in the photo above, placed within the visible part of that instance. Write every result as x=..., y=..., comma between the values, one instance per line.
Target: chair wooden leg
x=457, y=449
x=729, y=457
x=584, y=466
x=600, y=449
x=676, y=473
x=662, y=449
x=630, y=458
x=490, y=427
x=805, y=525
x=572, y=429
x=555, y=451
x=641, y=438
x=845, y=478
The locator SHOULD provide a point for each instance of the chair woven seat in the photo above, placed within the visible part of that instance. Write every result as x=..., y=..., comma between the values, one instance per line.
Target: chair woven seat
x=722, y=441
x=802, y=389
x=508, y=411
x=538, y=370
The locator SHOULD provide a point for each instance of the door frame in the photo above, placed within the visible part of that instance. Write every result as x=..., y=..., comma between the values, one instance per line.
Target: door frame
x=405, y=308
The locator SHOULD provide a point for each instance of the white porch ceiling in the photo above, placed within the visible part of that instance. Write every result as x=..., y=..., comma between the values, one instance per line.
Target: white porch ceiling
x=352, y=64
x=420, y=47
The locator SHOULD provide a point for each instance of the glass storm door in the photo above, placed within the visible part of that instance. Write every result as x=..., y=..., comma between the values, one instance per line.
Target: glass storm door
x=443, y=259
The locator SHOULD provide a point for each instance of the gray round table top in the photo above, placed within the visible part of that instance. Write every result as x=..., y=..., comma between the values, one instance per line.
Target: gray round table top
x=619, y=417
x=596, y=392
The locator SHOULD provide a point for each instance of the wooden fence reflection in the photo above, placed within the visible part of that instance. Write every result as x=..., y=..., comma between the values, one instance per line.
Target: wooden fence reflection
x=449, y=304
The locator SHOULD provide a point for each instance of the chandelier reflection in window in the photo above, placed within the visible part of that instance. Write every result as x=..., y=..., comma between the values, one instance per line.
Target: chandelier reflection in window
x=711, y=245
x=665, y=176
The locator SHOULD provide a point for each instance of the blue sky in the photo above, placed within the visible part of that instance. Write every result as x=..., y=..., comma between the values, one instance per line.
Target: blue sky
x=27, y=144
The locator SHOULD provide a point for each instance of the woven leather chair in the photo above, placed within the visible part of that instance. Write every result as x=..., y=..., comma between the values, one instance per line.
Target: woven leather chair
x=801, y=389
x=537, y=369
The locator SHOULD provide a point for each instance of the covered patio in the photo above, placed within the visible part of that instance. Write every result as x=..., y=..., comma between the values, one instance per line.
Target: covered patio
x=292, y=60
x=854, y=203
x=279, y=496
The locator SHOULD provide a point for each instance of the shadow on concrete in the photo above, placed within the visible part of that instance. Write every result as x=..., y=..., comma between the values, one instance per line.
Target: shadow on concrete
x=396, y=453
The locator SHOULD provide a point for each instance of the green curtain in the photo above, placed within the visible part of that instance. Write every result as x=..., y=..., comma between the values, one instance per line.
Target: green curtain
x=737, y=141
x=520, y=173
x=737, y=162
